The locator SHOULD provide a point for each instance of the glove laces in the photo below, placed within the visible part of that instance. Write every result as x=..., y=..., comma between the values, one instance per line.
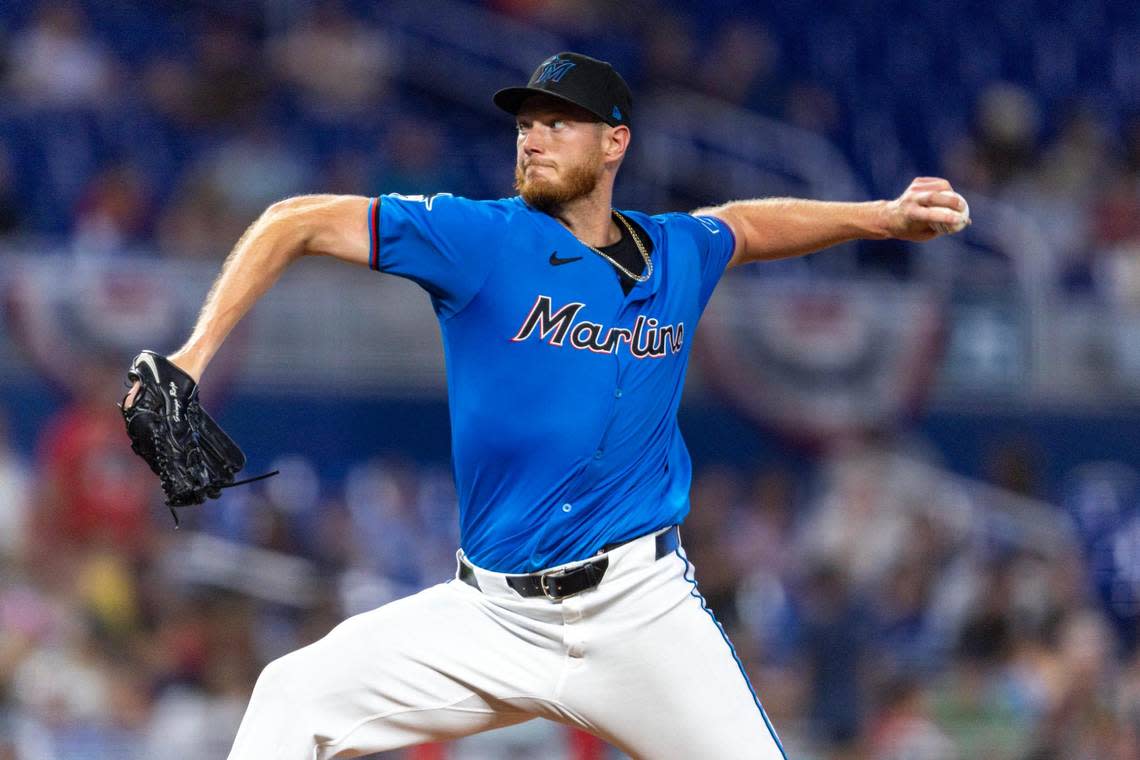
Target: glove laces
x=174, y=514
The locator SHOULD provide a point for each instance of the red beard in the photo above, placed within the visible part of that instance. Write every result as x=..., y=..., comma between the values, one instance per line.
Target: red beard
x=546, y=195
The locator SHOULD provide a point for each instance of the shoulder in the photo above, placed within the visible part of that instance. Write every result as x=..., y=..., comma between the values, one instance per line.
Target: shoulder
x=448, y=204
x=686, y=221
x=451, y=212
x=449, y=200
x=678, y=223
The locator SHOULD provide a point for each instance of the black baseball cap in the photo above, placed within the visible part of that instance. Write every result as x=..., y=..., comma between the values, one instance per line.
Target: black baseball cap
x=577, y=79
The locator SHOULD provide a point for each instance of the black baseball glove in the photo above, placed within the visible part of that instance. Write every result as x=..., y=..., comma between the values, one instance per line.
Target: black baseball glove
x=168, y=428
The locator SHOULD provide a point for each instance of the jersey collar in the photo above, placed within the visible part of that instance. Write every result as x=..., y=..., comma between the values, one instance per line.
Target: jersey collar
x=640, y=291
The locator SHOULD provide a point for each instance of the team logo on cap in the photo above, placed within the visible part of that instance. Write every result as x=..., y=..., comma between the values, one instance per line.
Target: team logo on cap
x=553, y=70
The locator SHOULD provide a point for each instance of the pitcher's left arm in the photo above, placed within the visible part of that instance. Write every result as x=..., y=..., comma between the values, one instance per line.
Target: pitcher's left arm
x=779, y=228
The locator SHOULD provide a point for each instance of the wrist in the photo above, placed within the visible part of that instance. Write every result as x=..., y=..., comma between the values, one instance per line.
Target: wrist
x=878, y=224
x=189, y=361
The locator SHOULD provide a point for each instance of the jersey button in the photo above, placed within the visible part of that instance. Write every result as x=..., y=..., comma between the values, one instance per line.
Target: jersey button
x=617, y=393
x=598, y=454
x=567, y=507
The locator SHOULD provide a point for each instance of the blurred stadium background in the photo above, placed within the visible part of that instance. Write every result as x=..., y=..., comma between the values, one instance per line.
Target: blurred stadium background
x=916, y=503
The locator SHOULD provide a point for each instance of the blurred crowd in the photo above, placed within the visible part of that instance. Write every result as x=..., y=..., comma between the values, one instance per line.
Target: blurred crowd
x=884, y=609
x=169, y=130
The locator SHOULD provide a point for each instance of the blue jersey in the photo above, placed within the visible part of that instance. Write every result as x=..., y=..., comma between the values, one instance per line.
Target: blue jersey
x=563, y=390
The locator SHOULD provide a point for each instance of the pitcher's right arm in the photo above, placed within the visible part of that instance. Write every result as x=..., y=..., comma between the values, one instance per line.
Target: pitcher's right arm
x=328, y=225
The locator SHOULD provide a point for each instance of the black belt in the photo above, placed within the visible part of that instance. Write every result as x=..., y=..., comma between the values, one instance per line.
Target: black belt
x=560, y=584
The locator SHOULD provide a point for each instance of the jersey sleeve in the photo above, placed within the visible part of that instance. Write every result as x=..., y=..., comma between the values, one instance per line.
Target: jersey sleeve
x=444, y=243
x=715, y=245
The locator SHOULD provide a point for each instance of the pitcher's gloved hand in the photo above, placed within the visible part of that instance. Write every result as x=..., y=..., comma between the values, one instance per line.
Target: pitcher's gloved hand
x=190, y=453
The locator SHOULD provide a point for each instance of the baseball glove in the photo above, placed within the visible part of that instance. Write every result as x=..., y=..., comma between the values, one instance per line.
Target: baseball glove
x=168, y=428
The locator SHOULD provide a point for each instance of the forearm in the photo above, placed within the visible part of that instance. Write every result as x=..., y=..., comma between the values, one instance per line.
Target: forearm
x=267, y=248
x=779, y=228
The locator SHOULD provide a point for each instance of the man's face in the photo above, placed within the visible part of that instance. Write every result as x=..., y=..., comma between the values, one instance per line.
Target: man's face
x=559, y=152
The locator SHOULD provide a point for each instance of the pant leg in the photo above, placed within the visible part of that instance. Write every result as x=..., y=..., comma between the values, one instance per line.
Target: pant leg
x=433, y=666
x=660, y=679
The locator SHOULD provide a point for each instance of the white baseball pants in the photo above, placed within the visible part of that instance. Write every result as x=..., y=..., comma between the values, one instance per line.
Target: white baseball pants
x=638, y=661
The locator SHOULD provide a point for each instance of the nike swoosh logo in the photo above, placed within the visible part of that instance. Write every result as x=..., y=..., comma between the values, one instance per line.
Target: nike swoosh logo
x=557, y=262
x=149, y=362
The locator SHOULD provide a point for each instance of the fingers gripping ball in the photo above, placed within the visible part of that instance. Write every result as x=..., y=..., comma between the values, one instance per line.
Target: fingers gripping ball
x=192, y=456
x=959, y=224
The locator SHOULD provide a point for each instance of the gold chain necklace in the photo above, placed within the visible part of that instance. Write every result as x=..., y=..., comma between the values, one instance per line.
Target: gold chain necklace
x=640, y=249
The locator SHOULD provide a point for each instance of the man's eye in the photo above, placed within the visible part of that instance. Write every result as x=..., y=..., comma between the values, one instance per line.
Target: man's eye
x=558, y=124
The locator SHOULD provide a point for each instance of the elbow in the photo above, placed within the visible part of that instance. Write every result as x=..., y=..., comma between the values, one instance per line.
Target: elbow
x=289, y=207
x=286, y=223
x=287, y=212
x=319, y=225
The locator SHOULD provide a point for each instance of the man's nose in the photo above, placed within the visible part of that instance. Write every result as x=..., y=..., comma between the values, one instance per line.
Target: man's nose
x=532, y=142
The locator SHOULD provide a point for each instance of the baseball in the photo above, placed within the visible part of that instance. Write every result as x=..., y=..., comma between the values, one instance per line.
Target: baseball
x=958, y=226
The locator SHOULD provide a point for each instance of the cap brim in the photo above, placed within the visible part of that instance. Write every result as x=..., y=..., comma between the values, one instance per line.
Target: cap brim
x=510, y=99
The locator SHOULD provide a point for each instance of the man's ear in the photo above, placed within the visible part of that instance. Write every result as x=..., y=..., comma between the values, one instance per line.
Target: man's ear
x=616, y=142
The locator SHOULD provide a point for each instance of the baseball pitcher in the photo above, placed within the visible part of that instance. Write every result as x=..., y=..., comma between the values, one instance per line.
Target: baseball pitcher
x=567, y=326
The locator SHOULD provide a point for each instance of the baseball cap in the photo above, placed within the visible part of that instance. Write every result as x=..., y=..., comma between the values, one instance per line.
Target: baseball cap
x=577, y=79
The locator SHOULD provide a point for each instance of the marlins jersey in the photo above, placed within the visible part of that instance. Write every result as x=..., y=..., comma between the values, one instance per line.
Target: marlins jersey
x=563, y=390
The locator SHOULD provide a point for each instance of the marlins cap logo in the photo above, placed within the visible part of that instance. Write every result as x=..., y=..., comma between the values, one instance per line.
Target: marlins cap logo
x=554, y=69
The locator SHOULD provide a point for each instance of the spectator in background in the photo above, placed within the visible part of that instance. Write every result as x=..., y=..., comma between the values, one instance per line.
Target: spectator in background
x=57, y=62
x=64, y=690
x=1080, y=721
x=1003, y=149
x=202, y=655
x=904, y=728
x=918, y=604
x=227, y=188
x=196, y=223
x=900, y=613
x=168, y=85
x=758, y=536
x=834, y=638
x=113, y=211
x=415, y=158
x=813, y=107
x=338, y=67
x=1072, y=171
x=668, y=52
x=856, y=521
x=743, y=68
x=381, y=497
x=346, y=172
x=715, y=491
x=228, y=82
x=1116, y=266
x=1076, y=163
x=255, y=168
x=763, y=525
x=972, y=702
x=1117, y=217
x=435, y=510
x=94, y=490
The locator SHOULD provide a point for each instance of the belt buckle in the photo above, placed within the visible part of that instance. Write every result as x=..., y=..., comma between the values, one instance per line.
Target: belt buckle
x=546, y=592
